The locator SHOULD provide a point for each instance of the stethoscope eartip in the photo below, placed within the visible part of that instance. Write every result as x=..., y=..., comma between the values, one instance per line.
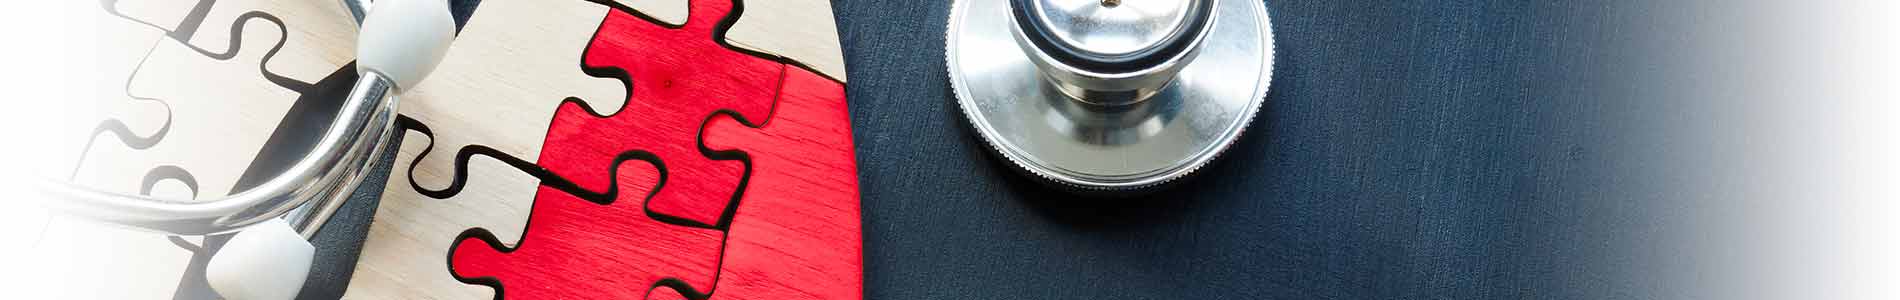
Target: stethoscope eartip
x=404, y=39
x=265, y=261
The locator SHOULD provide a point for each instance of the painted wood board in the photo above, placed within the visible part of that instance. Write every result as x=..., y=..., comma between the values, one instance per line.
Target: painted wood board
x=616, y=191
x=508, y=70
x=518, y=69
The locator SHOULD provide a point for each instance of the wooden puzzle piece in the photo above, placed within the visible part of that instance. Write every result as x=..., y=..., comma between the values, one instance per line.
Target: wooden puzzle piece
x=679, y=77
x=512, y=64
x=582, y=244
x=109, y=50
x=509, y=68
x=318, y=36
x=409, y=227
x=801, y=31
x=138, y=121
x=584, y=237
x=796, y=234
x=221, y=113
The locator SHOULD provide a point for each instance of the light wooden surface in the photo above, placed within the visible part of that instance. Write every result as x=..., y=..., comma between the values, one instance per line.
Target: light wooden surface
x=800, y=30
x=192, y=111
x=221, y=110
x=511, y=66
x=206, y=92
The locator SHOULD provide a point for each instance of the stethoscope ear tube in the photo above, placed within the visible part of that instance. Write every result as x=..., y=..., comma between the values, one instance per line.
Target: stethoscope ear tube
x=400, y=43
x=344, y=149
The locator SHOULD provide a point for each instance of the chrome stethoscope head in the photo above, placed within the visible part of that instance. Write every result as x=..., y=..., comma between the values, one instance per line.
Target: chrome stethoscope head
x=400, y=42
x=1109, y=97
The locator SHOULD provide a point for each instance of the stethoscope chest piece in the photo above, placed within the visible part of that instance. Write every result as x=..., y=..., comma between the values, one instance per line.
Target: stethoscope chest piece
x=1109, y=97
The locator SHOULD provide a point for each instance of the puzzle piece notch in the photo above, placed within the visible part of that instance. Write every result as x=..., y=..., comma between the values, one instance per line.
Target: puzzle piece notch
x=408, y=225
x=603, y=248
x=202, y=113
x=318, y=36
x=543, y=41
x=800, y=32
x=109, y=49
x=513, y=63
x=679, y=77
x=796, y=234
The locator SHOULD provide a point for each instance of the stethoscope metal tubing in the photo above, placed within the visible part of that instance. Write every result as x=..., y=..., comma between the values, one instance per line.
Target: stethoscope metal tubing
x=330, y=172
x=307, y=219
x=306, y=195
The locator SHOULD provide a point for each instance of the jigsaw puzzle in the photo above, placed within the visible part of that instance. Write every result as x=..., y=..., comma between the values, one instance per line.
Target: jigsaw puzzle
x=173, y=111
x=512, y=65
x=564, y=149
x=208, y=138
x=628, y=201
x=796, y=233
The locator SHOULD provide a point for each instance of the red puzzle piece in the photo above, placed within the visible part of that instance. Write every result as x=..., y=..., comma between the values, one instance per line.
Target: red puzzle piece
x=796, y=234
x=701, y=222
x=604, y=250
x=678, y=77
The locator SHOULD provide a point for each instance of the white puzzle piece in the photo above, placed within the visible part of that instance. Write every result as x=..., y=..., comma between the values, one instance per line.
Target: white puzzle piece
x=511, y=66
x=222, y=111
x=800, y=30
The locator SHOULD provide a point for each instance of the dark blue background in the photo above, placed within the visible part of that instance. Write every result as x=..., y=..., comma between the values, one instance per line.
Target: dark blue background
x=1408, y=149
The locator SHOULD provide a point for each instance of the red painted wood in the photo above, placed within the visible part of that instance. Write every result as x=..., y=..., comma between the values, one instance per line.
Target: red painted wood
x=679, y=77
x=576, y=248
x=796, y=235
x=639, y=211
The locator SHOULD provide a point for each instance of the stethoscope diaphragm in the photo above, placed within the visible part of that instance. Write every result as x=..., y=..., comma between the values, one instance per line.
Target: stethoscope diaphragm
x=1109, y=97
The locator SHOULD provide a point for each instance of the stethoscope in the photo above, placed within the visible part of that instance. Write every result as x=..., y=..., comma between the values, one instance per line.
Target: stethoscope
x=1104, y=97
x=1109, y=97
x=398, y=44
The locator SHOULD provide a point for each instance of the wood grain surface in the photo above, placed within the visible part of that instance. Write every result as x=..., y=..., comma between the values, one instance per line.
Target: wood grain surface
x=624, y=192
x=181, y=96
x=543, y=118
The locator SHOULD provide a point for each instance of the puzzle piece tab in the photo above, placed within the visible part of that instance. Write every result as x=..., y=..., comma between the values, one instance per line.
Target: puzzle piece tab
x=630, y=203
x=495, y=92
x=801, y=31
x=797, y=233
x=313, y=34
x=610, y=250
x=509, y=68
x=102, y=53
x=679, y=77
x=218, y=121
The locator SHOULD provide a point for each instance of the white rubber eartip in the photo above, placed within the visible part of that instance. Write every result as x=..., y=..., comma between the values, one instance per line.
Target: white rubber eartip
x=404, y=39
x=266, y=261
